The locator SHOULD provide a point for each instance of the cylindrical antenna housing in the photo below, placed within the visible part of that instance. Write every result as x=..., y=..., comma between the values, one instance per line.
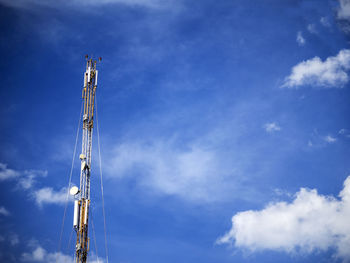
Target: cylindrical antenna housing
x=89, y=73
x=76, y=214
x=96, y=77
x=86, y=211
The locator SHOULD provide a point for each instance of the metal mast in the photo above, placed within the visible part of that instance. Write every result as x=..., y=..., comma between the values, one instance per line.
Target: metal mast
x=82, y=202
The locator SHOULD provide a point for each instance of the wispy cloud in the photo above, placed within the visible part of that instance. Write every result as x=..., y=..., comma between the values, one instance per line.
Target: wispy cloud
x=325, y=22
x=329, y=73
x=344, y=132
x=188, y=173
x=329, y=139
x=27, y=179
x=271, y=127
x=40, y=254
x=14, y=239
x=321, y=140
x=147, y=3
x=194, y=164
x=344, y=9
x=47, y=195
x=29, y=4
x=4, y=211
x=11, y=238
x=310, y=222
x=300, y=39
x=6, y=173
x=312, y=28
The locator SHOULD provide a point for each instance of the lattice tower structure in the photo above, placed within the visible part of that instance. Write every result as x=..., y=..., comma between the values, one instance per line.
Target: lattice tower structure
x=82, y=195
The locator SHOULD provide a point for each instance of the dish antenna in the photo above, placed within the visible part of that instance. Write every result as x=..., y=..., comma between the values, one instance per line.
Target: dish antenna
x=74, y=190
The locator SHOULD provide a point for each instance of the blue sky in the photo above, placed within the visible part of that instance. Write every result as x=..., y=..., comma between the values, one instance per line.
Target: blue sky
x=224, y=129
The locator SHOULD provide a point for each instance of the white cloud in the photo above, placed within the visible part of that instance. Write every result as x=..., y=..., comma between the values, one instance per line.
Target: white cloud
x=329, y=73
x=330, y=139
x=311, y=222
x=6, y=173
x=4, y=211
x=39, y=254
x=47, y=195
x=271, y=127
x=344, y=9
x=300, y=39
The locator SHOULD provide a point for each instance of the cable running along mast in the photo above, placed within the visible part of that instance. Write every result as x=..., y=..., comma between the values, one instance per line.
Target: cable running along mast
x=82, y=194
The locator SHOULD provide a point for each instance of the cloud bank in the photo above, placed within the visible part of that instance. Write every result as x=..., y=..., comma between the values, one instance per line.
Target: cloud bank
x=331, y=73
x=311, y=222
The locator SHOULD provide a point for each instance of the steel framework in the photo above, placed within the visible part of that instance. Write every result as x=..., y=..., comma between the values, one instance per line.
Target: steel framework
x=82, y=194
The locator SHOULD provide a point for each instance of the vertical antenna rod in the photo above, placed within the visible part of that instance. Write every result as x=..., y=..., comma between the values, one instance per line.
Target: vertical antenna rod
x=82, y=202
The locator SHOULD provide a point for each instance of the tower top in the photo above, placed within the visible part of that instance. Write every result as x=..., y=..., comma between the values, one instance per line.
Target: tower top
x=87, y=58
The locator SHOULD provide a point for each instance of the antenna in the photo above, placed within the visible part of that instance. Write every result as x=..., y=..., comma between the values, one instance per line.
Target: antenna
x=82, y=194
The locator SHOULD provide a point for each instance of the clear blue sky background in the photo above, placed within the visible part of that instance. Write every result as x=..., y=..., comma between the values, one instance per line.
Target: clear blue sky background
x=198, y=122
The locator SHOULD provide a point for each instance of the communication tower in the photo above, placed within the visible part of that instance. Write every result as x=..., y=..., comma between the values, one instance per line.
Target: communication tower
x=82, y=194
